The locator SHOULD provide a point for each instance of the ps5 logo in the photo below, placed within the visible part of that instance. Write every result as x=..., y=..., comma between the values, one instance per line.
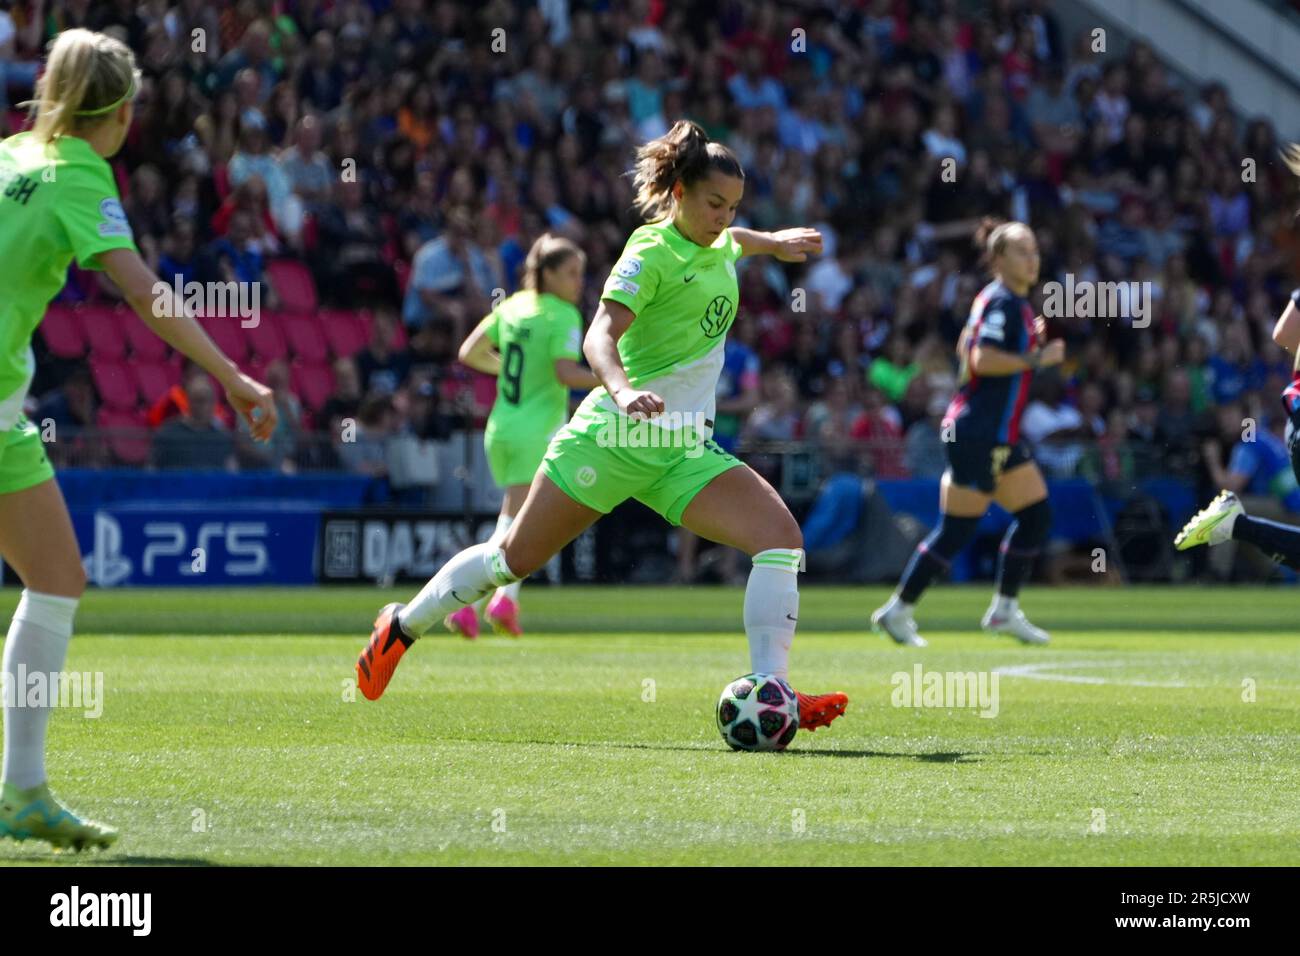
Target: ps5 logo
x=106, y=565
x=245, y=556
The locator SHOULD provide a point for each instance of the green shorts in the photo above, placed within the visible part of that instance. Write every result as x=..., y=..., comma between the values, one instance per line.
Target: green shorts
x=601, y=467
x=513, y=458
x=23, y=462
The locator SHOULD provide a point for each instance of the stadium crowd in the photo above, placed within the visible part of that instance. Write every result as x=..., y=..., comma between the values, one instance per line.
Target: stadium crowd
x=408, y=152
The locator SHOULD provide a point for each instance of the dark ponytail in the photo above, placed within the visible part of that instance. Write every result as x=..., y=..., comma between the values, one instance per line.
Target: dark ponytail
x=685, y=152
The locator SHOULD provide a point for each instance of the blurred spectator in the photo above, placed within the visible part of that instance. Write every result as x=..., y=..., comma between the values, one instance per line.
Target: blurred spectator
x=1053, y=428
x=893, y=371
x=254, y=159
x=277, y=453
x=362, y=445
x=880, y=428
x=176, y=400
x=381, y=368
x=70, y=409
x=345, y=401
x=304, y=166
x=776, y=417
x=351, y=242
x=320, y=84
x=1258, y=465
x=195, y=439
x=450, y=279
x=924, y=454
x=177, y=256
x=738, y=385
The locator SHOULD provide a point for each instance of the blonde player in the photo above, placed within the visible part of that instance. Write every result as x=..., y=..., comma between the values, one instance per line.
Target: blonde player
x=58, y=202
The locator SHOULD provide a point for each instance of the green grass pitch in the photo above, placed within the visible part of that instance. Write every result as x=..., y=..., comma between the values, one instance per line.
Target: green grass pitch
x=228, y=736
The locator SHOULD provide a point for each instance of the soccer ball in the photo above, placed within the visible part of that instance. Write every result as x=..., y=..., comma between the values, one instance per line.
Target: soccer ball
x=758, y=712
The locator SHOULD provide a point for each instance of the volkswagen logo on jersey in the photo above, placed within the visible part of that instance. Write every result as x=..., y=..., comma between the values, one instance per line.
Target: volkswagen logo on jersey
x=717, y=316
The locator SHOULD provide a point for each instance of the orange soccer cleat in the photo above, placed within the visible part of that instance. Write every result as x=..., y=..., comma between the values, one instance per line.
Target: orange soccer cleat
x=388, y=642
x=818, y=710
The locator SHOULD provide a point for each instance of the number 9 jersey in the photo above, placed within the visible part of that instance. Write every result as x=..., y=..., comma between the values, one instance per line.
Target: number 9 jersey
x=531, y=330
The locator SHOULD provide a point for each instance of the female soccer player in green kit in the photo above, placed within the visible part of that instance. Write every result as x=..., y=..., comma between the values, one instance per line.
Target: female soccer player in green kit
x=58, y=201
x=531, y=342
x=656, y=344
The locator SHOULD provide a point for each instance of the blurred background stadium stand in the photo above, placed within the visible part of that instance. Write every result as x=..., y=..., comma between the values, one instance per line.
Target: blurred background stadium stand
x=380, y=169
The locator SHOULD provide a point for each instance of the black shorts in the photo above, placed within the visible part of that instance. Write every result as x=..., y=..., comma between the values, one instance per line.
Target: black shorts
x=976, y=463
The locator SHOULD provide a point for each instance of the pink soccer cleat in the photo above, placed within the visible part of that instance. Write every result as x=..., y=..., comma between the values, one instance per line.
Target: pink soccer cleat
x=503, y=615
x=463, y=622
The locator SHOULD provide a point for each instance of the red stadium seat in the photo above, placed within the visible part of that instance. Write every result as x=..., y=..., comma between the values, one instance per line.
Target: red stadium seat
x=145, y=344
x=305, y=338
x=128, y=436
x=293, y=284
x=154, y=378
x=344, y=331
x=230, y=337
x=312, y=383
x=104, y=330
x=115, y=384
x=267, y=337
x=62, y=333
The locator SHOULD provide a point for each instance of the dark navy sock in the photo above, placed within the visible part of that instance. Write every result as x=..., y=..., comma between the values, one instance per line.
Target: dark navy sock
x=1281, y=542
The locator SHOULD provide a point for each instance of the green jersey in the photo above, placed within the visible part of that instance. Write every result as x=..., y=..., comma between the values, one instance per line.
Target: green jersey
x=531, y=331
x=57, y=203
x=684, y=296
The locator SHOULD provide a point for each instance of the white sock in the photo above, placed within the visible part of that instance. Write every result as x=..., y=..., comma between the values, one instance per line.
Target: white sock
x=1004, y=606
x=511, y=590
x=37, y=643
x=772, y=609
x=469, y=576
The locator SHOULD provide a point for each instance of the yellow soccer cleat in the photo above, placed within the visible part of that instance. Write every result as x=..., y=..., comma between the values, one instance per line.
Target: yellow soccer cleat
x=36, y=814
x=1212, y=524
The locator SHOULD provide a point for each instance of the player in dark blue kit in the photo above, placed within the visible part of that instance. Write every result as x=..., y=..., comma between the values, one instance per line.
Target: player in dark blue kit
x=1000, y=348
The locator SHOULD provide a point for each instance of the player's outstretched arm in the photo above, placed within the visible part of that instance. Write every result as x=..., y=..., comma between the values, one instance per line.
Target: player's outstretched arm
x=249, y=397
x=788, y=245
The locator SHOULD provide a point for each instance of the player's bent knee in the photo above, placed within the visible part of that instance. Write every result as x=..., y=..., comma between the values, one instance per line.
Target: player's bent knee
x=787, y=535
x=1033, y=524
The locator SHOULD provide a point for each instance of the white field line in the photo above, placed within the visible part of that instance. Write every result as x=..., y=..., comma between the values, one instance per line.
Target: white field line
x=1043, y=671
